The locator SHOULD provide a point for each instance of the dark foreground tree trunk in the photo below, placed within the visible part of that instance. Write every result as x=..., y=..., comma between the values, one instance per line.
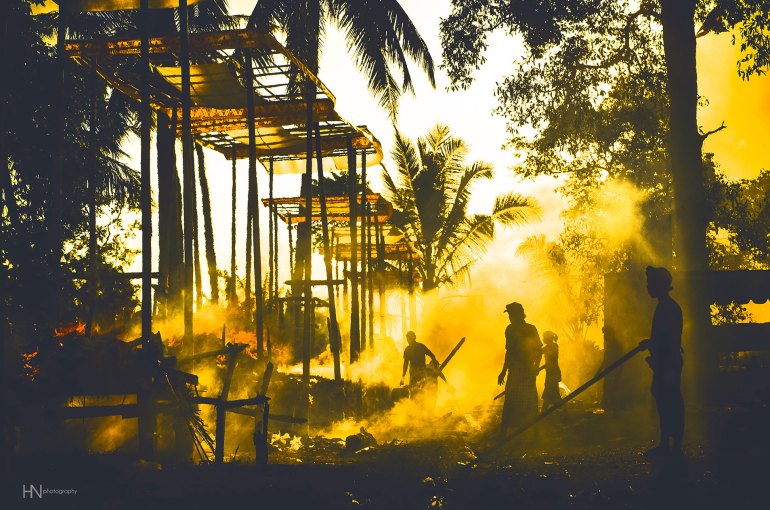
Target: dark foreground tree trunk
x=685, y=146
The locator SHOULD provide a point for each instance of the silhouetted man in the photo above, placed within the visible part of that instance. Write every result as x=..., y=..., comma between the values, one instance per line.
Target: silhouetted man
x=522, y=363
x=414, y=360
x=665, y=360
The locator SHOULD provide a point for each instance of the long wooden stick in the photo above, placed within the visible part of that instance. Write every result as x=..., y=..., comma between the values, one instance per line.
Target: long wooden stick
x=599, y=376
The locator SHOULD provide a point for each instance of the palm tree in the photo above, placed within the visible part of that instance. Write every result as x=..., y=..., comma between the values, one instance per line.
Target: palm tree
x=208, y=228
x=431, y=200
x=378, y=32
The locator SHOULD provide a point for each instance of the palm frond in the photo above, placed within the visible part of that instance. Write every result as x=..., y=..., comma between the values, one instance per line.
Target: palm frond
x=512, y=209
x=458, y=200
x=411, y=41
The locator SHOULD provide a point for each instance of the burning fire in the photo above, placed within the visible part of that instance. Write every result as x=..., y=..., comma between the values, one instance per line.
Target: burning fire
x=29, y=369
x=77, y=327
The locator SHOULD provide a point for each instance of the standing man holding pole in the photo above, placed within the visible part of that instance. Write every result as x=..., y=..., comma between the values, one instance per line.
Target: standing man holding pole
x=523, y=351
x=665, y=360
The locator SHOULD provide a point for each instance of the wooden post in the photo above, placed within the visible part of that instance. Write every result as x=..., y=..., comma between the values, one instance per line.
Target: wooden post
x=291, y=245
x=274, y=212
x=402, y=296
x=233, y=297
x=380, y=275
x=270, y=234
x=260, y=419
x=187, y=171
x=370, y=274
x=355, y=339
x=253, y=201
x=307, y=288
x=412, y=302
x=334, y=334
x=219, y=437
x=345, y=269
x=364, y=254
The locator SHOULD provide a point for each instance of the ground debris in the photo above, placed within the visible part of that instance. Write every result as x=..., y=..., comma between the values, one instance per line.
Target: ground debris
x=360, y=441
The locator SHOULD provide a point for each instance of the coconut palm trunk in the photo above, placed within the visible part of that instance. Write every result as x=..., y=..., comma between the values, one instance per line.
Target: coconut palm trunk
x=208, y=229
x=196, y=247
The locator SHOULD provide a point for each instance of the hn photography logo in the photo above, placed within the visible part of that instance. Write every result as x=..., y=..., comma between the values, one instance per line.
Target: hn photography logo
x=33, y=491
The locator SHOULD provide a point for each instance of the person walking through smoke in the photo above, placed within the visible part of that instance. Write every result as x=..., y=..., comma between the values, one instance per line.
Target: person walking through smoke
x=665, y=360
x=414, y=360
x=522, y=360
x=551, y=395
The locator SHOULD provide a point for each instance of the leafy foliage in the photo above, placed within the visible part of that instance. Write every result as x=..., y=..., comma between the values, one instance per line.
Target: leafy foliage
x=431, y=192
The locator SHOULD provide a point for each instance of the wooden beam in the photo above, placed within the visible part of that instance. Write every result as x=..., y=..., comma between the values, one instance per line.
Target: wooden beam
x=202, y=41
x=272, y=114
x=328, y=145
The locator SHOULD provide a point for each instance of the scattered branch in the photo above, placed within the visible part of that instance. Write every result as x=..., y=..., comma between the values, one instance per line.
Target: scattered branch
x=709, y=133
x=626, y=48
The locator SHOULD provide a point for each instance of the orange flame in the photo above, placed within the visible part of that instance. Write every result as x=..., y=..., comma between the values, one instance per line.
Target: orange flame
x=77, y=327
x=29, y=370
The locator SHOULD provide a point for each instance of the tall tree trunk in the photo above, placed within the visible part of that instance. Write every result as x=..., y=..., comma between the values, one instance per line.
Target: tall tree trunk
x=334, y=336
x=53, y=214
x=92, y=147
x=166, y=207
x=196, y=249
x=685, y=146
x=188, y=172
x=208, y=232
x=176, y=253
x=249, y=232
x=146, y=398
x=253, y=205
x=6, y=184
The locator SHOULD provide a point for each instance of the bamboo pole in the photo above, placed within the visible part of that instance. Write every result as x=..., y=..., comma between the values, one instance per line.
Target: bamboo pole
x=334, y=334
x=364, y=255
x=307, y=288
x=233, y=297
x=380, y=268
x=270, y=234
x=355, y=339
x=537, y=418
x=253, y=201
x=370, y=274
x=412, y=301
x=187, y=171
x=274, y=212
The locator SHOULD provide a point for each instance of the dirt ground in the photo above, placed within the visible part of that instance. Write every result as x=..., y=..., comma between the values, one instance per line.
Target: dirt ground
x=578, y=460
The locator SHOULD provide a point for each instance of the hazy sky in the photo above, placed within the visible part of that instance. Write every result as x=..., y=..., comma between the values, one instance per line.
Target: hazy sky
x=741, y=150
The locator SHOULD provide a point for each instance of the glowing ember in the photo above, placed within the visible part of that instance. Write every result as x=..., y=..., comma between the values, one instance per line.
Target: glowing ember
x=77, y=328
x=29, y=369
